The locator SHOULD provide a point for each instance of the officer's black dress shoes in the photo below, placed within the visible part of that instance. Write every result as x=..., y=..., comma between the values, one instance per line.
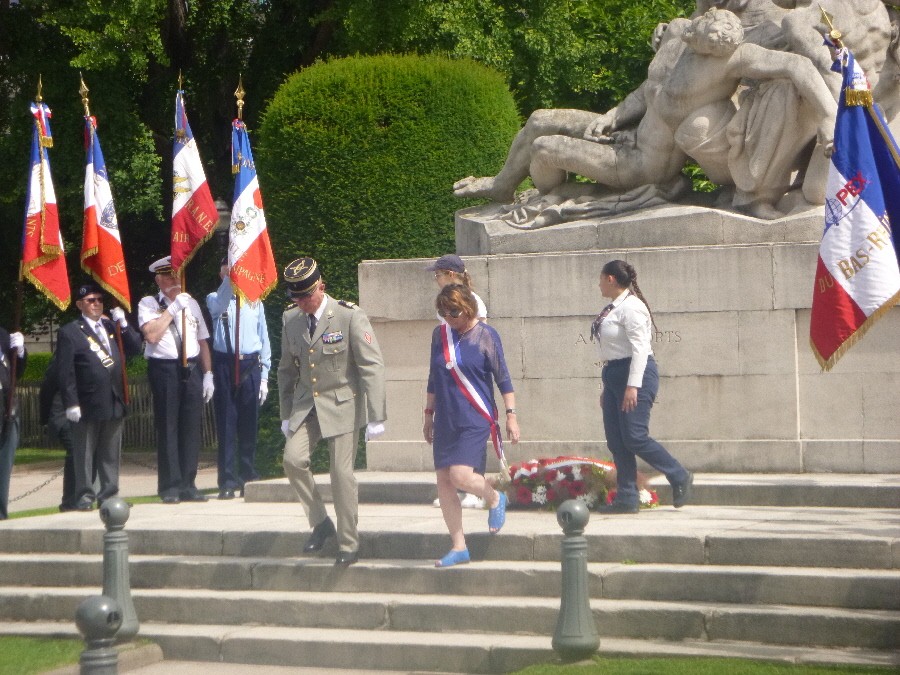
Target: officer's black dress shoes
x=84, y=505
x=618, y=508
x=171, y=499
x=227, y=493
x=193, y=496
x=319, y=536
x=346, y=558
x=681, y=492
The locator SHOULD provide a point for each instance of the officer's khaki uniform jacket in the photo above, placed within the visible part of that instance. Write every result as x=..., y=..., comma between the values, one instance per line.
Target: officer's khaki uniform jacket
x=340, y=372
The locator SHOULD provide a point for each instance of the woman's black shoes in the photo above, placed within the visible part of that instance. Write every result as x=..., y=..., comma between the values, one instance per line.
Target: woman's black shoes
x=681, y=492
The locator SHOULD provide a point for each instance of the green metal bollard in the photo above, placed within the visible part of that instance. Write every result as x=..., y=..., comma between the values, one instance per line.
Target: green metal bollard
x=98, y=618
x=116, y=579
x=576, y=635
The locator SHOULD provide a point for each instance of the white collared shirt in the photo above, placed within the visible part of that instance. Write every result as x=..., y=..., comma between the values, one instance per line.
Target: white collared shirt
x=319, y=312
x=626, y=333
x=167, y=348
x=94, y=326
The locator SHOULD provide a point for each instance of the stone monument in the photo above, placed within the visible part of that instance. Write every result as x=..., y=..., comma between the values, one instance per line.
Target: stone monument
x=729, y=276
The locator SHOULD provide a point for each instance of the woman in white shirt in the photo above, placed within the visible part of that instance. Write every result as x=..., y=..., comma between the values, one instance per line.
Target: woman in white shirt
x=450, y=269
x=623, y=335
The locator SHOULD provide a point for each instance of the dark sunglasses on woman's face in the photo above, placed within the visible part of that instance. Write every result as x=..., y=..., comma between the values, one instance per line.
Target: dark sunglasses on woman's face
x=453, y=313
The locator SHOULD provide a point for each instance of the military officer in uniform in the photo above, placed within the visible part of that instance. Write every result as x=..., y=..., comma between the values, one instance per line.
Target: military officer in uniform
x=179, y=391
x=331, y=384
x=12, y=346
x=89, y=374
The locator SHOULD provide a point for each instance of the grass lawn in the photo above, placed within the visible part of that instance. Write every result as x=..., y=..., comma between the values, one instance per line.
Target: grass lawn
x=52, y=510
x=694, y=666
x=23, y=655
x=35, y=455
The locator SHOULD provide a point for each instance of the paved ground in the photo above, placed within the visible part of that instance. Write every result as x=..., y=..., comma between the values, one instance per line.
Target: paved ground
x=38, y=486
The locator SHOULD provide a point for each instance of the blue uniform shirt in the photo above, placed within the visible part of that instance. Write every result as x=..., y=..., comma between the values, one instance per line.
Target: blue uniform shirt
x=254, y=334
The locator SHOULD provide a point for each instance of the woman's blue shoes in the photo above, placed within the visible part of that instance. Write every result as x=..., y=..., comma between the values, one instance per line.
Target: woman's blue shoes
x=454, y=558
x=497, y=515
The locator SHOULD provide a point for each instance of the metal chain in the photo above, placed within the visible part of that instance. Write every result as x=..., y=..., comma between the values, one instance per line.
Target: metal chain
x=39, y=487
x=154, y=467
x=59, y=473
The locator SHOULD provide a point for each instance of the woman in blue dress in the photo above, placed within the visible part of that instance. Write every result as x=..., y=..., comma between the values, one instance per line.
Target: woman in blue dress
x=460, y=416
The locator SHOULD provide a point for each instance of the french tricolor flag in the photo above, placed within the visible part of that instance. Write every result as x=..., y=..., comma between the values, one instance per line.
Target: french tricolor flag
x=194, y=214
x=857, y=275
x=43, y=254
x=250, y=258
x=101, y=247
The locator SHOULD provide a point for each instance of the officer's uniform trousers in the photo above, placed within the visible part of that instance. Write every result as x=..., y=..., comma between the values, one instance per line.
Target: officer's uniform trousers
x=329, y=384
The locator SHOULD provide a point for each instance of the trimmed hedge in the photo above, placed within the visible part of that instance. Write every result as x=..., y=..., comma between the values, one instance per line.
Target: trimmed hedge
x=38, y=362
x=357, y=157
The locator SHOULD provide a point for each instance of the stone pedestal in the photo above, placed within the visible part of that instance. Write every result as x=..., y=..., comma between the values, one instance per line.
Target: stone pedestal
x=740, y=389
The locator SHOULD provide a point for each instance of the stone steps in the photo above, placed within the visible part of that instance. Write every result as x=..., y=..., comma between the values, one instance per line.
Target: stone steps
x=438, y=613
x=828, y=490
x=764, y=536
x=227, y=581
x=813, y=587
x=345, y=650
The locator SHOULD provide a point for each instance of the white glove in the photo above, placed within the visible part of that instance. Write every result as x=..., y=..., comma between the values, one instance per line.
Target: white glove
x=263, y=391
x=17, y=342
x=286, y=427
x=73, y=414
x=179, y=303
x=208, y=387
x=374, y=429
x=118, y=314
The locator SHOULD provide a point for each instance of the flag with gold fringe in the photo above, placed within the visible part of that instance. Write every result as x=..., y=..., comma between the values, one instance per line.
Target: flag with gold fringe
x=194, y=214
x=101, y=247
x=43, y=253
x=857, y=275
x=253, y=273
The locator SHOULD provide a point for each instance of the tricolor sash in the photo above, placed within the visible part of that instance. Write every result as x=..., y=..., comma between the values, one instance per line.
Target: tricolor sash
x=470, y=393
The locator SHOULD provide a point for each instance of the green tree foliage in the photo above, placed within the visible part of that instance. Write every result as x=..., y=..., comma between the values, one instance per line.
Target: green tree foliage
x=358, y=156
x=553, y=53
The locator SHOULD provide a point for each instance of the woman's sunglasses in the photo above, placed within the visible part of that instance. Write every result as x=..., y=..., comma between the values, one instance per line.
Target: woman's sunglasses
x=453, y=313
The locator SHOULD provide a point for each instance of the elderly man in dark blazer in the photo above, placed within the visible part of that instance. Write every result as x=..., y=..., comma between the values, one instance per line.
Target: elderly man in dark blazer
x=92, y=390
x=331, y=384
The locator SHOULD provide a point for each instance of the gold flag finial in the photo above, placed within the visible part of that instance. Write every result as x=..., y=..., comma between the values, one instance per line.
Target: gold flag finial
x=239, y=95
x=39, y=98
x=83, y=90
x=180, y=80
x=833, y=32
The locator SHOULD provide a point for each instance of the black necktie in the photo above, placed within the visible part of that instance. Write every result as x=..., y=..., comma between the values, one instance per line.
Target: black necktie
x=595, y=327
x=312, y=325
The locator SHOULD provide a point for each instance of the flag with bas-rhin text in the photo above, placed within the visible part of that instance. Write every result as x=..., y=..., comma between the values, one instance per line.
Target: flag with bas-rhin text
x=43, y=254
x=857, y=275
x=194, y=215
x=253, y=273
x=101, y=246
